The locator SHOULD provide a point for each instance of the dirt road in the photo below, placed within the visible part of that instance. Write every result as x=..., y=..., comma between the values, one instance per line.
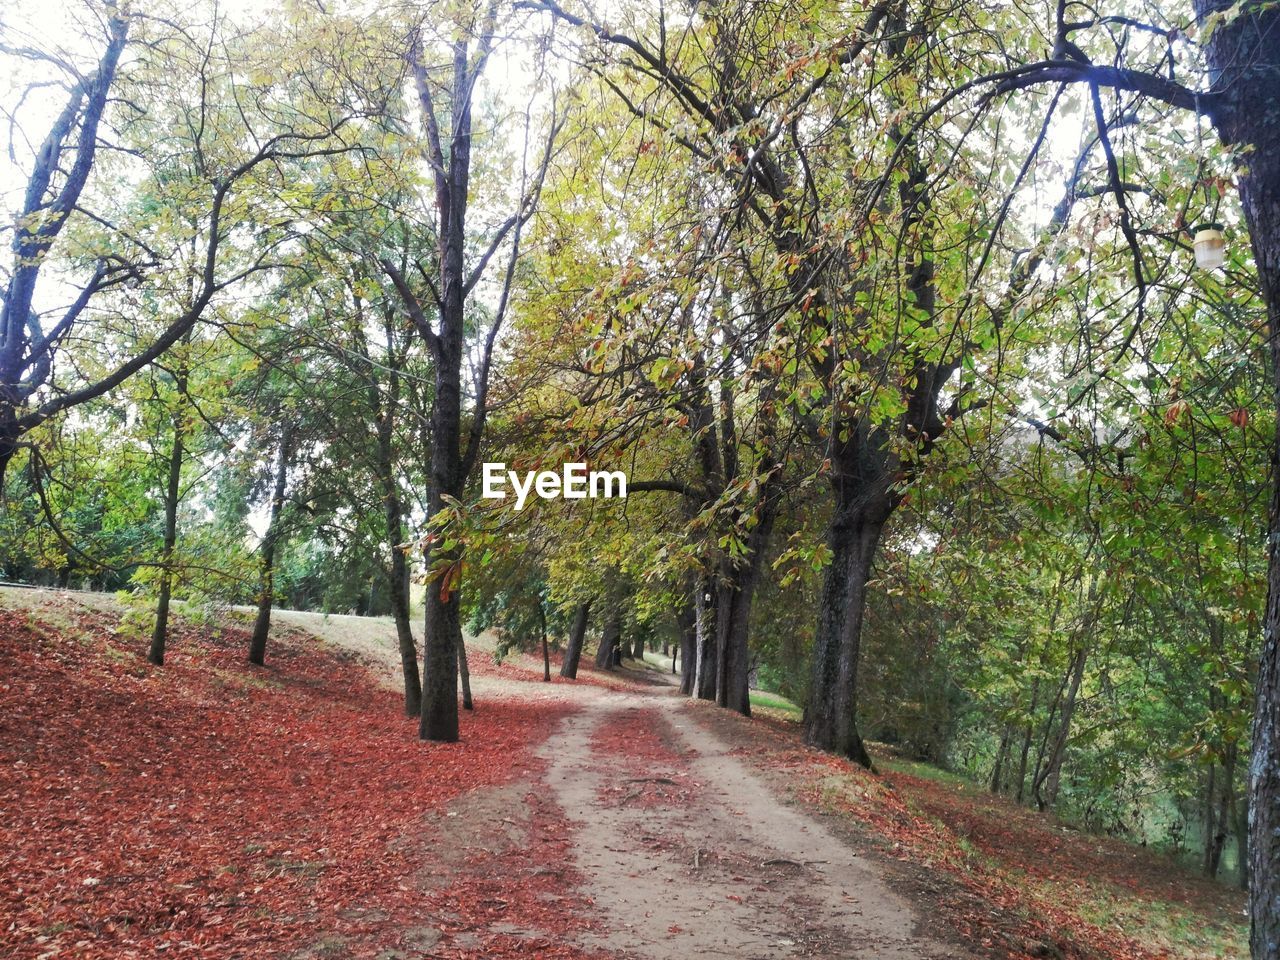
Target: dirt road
x=686, y=853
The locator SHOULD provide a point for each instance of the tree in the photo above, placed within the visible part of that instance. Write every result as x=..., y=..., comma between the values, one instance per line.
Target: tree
x=447, y=114
x=60, y=171
x=233, y=158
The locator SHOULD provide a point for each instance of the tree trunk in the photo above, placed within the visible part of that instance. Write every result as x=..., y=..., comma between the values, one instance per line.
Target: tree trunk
x=853, y=538
x=546, y=651
x=266, y=567
x=1240, y=827
x=404, y=631
x=577, y=634
x=1051, y=775
x=443, y=617
x=173, y=488
x=997, y=773
x=737, y=591
x=26, y=354
x=1209, y=819
x=1220, y=799
x=1226, y=807
x=638, y=643
x=687, y=621
x=610, y=636
x=705, y=632
x=398, y=573
x=1244, y=68
x=464, y=674
x=1027, y=735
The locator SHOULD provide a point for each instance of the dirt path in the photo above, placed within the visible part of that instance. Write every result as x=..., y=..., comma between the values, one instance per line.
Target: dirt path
x=721, y=868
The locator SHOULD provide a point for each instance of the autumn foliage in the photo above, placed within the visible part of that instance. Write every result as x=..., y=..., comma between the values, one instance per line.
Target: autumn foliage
x=211, y=809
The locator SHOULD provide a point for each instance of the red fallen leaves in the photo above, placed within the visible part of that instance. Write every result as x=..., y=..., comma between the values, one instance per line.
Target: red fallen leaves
x=526, y=667
x=210, y=809
x=499, y=897
x=656, y=773
x=1003, y=911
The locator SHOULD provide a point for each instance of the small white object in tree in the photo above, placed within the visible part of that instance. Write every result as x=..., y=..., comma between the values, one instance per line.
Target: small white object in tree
x=1210, y=248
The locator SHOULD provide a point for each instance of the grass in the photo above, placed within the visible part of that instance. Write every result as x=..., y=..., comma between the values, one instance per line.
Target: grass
x=925, y=771
x=760, y=699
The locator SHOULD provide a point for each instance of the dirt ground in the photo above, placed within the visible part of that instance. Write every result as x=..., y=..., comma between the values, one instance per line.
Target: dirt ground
x=681, y=851
x=717, y=866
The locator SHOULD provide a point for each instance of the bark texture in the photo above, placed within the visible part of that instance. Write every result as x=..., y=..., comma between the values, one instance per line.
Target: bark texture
x=1243, y=57
x=686, y=653
x=267, y=557
x=160, y=630
x=704, y=684
x=577, y=634
x=863, y=504
x=393, y=512
x=610, y=637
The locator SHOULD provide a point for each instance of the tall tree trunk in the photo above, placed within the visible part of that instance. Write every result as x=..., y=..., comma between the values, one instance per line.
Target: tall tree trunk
x=172, y=490
x=393, y=512
x=1027, y=734
x=1240, y=827
x=997, y=772
x=1209, y=819
x=26, y=354
x=853, y=538
x=1244, y=68
x=267, y=560
x=443, y=615
x=1218, y=800
x=638, y=643
x=1226, y=803
x=687, y=624
x=404, y=628
x=443, y=327
x=737, y=591
x=577, y=635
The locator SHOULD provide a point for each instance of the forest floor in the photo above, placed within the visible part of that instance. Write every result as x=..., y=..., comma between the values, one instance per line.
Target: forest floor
x=210, y=809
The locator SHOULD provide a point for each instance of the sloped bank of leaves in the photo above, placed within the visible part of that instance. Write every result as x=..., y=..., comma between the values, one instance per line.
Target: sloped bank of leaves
x=1009, y=881
x=211, y=809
